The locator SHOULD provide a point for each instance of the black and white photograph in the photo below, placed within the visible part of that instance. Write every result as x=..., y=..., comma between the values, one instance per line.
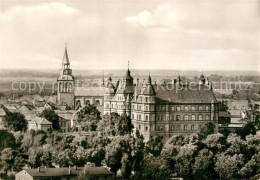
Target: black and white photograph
x=129, y=90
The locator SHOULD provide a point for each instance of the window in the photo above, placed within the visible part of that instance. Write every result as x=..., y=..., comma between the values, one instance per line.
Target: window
x=173, y=108
x=146, y=99
x=161, y=108
x=200, y=126
x=178, y=127
x=193, y=108
x=186, y=117
x=185, y=127
x=172, y=117
x=178, y=108
x=207, y=117
x=139, y=127
x=158, y=128
x=161, y=117
x=146, y=108
x=200, y=117
x=107, y=105
x=146, y=117
x=139, y=117
x=192, y=127
x=207, y=108
x=186, y=108
x=193, y=117
x=200, y=108
x=133, y=107
x=173, y=127
x=146, y=128
x=133, y=116
x=178, y=117
x=161, y=128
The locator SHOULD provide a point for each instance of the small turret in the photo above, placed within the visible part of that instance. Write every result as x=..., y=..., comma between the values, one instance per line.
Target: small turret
x=202, y=79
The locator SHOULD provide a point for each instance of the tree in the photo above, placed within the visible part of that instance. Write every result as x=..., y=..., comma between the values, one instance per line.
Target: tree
x=16, y=122
x=51, y=116
x=249, y=128
x=203, y=167
x=7, y=160
x=207, y=130
x=155, y=145
x=7, y=140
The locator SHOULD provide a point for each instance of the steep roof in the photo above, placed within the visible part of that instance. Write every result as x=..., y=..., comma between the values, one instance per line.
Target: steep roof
x=65, y=60
x=40, y=120
x=194, y=94
x=2, y=112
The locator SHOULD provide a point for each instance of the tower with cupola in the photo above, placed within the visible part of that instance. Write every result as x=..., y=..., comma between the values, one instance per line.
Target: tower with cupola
x=66, y=82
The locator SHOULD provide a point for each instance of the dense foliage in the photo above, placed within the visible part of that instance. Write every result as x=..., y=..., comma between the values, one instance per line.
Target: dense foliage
x=15, y=122
x=197, y=156
x=51, y=116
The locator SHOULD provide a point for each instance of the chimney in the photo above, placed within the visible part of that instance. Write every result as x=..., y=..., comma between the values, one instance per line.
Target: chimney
x=39, y=169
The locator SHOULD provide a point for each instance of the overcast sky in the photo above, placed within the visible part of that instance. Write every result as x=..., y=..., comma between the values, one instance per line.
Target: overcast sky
x=192, y=35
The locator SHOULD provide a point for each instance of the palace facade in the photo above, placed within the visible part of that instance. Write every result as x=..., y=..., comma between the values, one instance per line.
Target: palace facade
x=163, y=109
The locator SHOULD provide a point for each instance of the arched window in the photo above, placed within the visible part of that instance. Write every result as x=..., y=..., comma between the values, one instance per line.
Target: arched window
x=173, y=127
x=178, y=117
x=192, y=127
x=78, y=104
x=173, y=108
x=60, y=87
x=162, y=128
x=87, y=102
x=146, y=117
x=186, y=117
x=146, y=108
x=193, y=117
x=185, y=127
x=193, y=108
x=178, y=108
x=97, y=102
x=139, y=127
x=207, y=108
x=200, y=117
x=200, y=108
x=207, y=117
x=139, y=117
x=146, y=128
x=186, y=108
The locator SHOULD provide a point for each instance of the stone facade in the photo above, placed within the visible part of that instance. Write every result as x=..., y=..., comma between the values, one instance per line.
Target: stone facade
x=163, y=109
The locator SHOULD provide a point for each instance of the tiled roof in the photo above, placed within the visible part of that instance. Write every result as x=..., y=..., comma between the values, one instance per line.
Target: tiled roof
x=53, y=172
x=89, y=91
x=59, y=172
x=194, y=94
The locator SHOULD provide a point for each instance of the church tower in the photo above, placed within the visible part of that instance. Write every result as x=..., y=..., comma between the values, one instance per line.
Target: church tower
x=65, y=81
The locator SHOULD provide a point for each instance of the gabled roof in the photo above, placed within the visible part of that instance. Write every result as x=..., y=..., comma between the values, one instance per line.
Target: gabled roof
x=2, y=112
x=40, y=120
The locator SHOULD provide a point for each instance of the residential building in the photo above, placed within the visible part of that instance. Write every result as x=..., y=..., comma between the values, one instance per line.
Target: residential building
x=39, y=123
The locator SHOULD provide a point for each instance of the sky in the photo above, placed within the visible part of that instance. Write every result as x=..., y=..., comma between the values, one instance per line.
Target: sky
x=105, y=34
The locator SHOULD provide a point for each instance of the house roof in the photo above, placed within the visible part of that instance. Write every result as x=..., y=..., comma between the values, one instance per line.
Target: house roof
x=65, y=116
x=224, y=114
x=195, y=94
x=98, y=171
x=59, y=172
x=40, y=120
x=53, y=172
x=89, y=91
x=2, y=112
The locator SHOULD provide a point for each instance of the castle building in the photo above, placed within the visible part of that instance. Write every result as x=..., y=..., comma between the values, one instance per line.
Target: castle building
x=163, y=109
x=73, y=96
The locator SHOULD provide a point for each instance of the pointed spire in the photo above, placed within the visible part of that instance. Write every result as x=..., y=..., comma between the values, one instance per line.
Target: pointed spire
x=128, y=71
x=65, y=60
